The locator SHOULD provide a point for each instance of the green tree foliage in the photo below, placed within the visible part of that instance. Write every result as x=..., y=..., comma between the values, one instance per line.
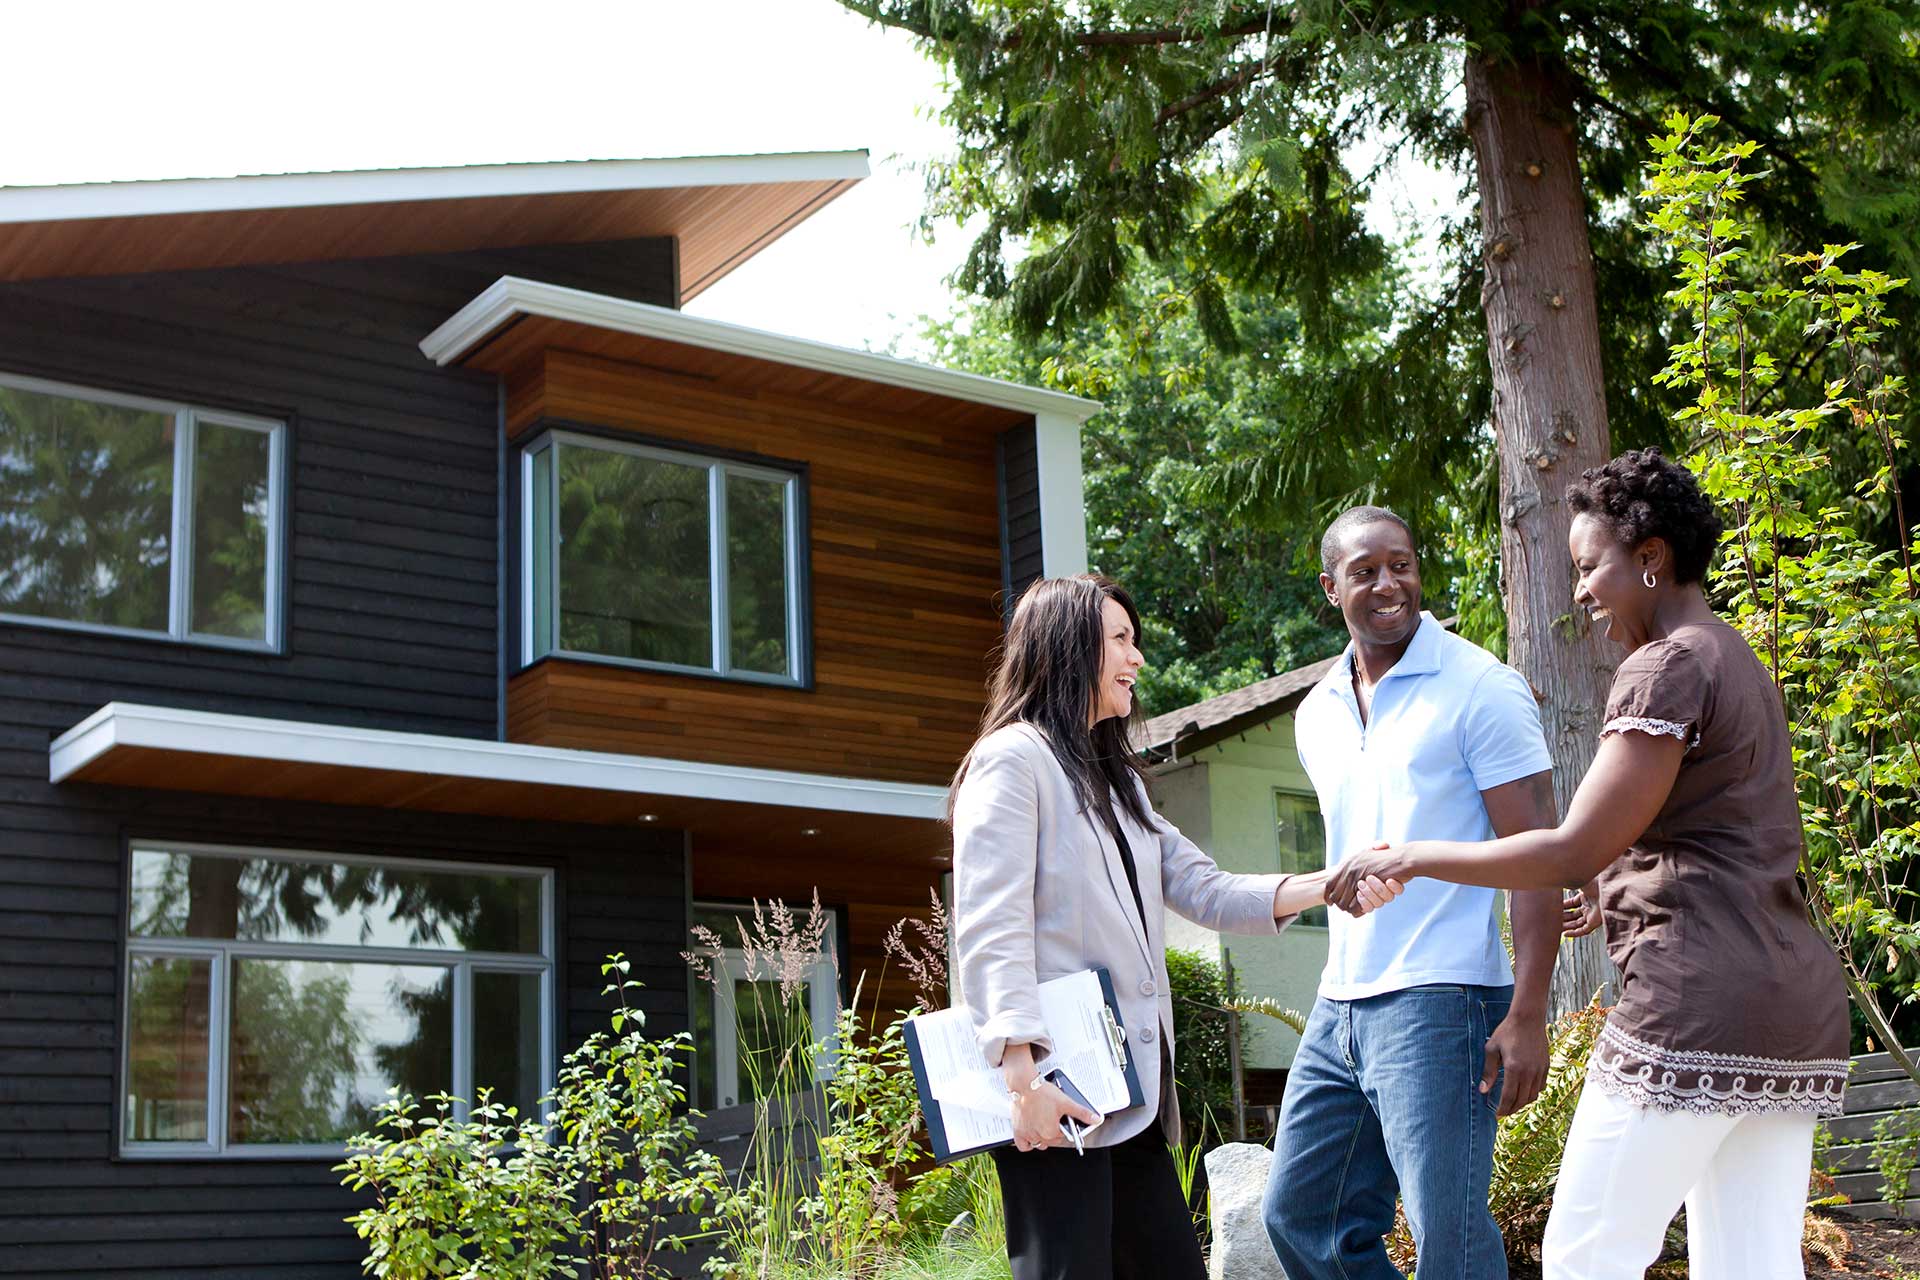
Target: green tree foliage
x=1231, y=148
x=1227, y=599
x=1831, y=611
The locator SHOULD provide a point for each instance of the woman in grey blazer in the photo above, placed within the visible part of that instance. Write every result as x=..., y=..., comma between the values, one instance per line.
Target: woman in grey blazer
x=1061, y=864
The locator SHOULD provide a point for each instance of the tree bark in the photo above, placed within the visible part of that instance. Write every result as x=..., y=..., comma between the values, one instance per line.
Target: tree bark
x=1549, y=414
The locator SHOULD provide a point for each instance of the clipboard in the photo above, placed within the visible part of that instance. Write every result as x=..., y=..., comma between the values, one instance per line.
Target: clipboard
x=964, y=1100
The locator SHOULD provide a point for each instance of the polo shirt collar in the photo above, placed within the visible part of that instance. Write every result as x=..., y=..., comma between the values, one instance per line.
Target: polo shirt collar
x=1422, y=658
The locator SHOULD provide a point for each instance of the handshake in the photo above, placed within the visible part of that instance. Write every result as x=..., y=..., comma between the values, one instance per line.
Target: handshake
x=1370, y=879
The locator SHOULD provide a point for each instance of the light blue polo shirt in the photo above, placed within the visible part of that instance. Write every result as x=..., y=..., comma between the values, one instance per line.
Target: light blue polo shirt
x=1448, y=722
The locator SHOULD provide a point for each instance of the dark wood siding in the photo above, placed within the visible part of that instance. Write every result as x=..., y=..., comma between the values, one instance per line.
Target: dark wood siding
x=67, y=1206
x=393, y=506
x=1019, y=512
x=392, y=622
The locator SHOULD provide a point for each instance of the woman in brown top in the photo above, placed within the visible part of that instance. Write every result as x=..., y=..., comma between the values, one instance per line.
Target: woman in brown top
x=1731, y=1034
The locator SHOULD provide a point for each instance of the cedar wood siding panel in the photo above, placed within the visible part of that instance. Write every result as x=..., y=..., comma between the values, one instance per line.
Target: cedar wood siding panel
x=1020, y=512
x=67, y=1207
x=392, y=506
x=393, y=521
x=904, y=568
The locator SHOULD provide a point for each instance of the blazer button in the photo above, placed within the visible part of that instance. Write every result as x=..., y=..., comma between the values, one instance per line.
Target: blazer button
x=1146, y=1035
x=1146, y=987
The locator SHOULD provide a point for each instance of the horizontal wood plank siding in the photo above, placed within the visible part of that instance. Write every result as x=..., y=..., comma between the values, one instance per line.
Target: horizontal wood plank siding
x=905, y=568
x=393, y=507
x=67, y=1206
x=393, y=622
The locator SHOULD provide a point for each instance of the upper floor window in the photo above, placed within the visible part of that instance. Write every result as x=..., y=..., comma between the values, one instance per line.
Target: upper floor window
x=273, y=998
x=662, y=559
x=137, y=516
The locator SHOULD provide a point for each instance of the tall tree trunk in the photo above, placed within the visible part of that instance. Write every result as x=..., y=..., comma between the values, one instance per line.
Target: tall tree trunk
x=1549, y=413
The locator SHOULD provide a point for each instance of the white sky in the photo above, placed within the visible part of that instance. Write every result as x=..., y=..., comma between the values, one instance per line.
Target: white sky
x=97, y=91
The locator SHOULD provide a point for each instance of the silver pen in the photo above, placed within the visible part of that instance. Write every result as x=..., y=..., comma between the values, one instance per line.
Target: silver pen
x=1073, y=1131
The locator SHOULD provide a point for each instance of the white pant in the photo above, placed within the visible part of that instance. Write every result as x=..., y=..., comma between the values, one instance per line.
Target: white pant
x=1627, y=1169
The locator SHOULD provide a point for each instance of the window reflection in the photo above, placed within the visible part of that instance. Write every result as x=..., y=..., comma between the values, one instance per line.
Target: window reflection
x=86, y=510
x=166, y=1095
x=191, y=895
x=231, y=508
x=636, y=580
x=757, y=573
x=316, y=1045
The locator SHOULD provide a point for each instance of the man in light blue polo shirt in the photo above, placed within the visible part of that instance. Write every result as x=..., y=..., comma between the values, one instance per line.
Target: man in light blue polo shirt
x=1422, y=1029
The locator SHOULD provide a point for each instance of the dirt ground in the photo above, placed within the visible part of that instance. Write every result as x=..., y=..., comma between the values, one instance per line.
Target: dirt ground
x=1885, y=1249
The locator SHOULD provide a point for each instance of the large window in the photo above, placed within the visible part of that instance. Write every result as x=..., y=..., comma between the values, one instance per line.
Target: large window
x=128, y=515
x=662, y=559
x=273, y=998
x=1303, y=842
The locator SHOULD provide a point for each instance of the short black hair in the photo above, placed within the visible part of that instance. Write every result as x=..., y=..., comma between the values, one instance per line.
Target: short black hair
x=1641, y=495
x=1353, y=518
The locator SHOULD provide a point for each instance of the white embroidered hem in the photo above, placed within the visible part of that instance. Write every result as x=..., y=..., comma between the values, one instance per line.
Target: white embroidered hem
x=1714, y=1083
x=1646, y=724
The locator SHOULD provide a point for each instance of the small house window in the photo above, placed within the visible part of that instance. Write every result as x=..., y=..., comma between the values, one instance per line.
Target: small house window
x=661, y=559
x=135, y=516
x=1303, y=842
x=272, y=999
x=760, y=998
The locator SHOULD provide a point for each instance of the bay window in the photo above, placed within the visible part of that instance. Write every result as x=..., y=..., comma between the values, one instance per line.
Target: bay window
x=660, y=558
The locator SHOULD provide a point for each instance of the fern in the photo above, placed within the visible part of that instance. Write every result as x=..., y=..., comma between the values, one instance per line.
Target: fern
x=1271, y=1008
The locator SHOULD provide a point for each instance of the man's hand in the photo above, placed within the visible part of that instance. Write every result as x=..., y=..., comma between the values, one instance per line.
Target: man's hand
x=1580, y=911
x=1382, y=862
x=1519, y=1044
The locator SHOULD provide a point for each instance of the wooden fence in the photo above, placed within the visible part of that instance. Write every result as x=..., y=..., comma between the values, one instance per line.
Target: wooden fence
x=1878, y=1090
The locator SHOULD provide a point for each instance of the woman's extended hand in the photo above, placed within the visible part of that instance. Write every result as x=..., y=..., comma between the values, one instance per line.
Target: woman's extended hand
x=1580, y=911
x=1037, y=1114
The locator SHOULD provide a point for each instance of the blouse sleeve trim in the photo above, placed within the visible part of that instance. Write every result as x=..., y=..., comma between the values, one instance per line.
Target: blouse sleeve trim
x=1647, y=724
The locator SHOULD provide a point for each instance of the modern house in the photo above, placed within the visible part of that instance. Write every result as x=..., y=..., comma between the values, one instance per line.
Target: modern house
x=403, y=604
x=1227, y=773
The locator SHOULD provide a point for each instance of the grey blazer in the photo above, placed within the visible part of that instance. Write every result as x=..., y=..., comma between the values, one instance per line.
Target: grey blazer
x=1040, y=891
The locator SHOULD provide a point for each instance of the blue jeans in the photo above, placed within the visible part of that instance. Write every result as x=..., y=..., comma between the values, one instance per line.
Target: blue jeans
x=1384, y=1098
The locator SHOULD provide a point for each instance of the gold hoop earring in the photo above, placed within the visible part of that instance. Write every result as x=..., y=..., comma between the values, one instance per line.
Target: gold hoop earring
x=1646, y=576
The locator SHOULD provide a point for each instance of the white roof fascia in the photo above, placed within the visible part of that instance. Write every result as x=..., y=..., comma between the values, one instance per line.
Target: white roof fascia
x=385, y=186
x=511, y=296
x=121, y=724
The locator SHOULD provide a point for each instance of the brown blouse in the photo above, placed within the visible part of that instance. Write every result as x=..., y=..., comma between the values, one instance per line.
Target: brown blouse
x=1730, y=1001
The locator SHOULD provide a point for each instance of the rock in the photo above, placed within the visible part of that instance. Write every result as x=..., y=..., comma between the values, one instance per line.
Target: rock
x=1237, y=1174
x=958, y=1232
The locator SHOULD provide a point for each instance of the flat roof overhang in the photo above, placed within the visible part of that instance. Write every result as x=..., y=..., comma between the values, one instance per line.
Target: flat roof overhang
x=721, y=209
x=513, y=320
x=730, y=810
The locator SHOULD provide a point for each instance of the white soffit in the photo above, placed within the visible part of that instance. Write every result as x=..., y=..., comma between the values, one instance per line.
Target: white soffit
x=511, y=297
x=382, y=186
x=129, y=725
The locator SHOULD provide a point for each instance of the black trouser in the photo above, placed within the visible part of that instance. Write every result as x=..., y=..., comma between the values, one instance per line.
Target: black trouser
x=1113, y=1214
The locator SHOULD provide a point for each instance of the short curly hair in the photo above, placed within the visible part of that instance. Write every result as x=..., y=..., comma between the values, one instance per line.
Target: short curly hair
x=1641, y=495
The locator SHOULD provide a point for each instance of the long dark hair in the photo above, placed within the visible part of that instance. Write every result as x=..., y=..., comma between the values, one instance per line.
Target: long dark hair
x=1048, y=667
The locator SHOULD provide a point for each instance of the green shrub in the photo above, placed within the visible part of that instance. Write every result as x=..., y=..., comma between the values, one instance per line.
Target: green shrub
x=592, y=1181
x=1202, y=1061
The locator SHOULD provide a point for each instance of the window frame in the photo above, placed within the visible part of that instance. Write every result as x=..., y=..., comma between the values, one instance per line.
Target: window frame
x=221, y=952
x=1280, y=854
x=539, y=553
x=186, y=421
